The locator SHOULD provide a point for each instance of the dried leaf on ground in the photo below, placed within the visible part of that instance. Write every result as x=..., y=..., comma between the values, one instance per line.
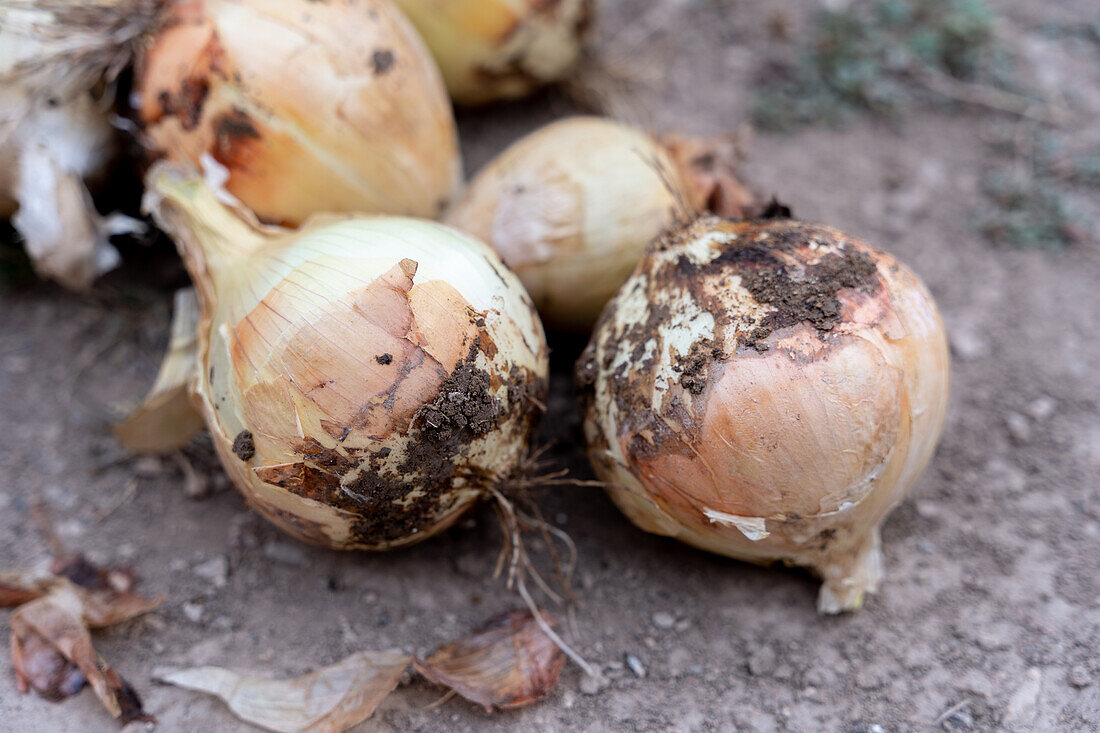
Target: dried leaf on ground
x=507, y=663
x=107, y=593
x=53, y=655
x=166, y=420
x=51, y=647
x=326, y=701
x=15, y=589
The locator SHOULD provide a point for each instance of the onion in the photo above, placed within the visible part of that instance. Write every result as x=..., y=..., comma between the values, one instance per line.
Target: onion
x=311, y=107
x=767, y=390
x=500, y=49
x=571, y=207
x=365, y=379
x=55, y=136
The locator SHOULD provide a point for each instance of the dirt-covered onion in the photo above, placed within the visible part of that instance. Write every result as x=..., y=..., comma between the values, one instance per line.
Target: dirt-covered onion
x=767, y=390
x=500, y=49
x=365, y=379
x=571, y=207
x=311, y=107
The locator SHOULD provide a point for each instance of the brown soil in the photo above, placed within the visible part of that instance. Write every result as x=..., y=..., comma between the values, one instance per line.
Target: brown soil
x=989, y=617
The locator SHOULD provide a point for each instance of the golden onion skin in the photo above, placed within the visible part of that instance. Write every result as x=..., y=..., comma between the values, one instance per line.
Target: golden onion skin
x=500, y=49
x=365, y=379
x=312, y=107
x=767, y=390
x=570, y=208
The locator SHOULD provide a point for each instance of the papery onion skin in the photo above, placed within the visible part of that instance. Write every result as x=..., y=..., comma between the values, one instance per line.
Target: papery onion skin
x=312, y=107
x=570, y=208
x=501, y=49
x=767, y=390
x=365, y=379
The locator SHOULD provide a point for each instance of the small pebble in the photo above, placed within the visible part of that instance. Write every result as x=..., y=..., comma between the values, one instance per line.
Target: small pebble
x=1042, y=408
x=285, y=554
x=193, y=612
x=590, y=685
x=663, y=620
x=1018, y=427
x=928, y=509
x=214, y=570
x=683, y=624
x=635, y=665
x=71, y=529
x=966, y=343
x=1079, y=676
x=147, y=466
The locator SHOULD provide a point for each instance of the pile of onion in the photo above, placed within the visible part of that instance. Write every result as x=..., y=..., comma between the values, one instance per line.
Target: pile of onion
x=767, y=390
x=365, y=379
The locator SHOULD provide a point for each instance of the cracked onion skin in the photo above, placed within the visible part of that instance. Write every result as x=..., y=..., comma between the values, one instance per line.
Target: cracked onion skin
x=365, y=379
x=767, y=390
x=312, y=107
x=491, y=50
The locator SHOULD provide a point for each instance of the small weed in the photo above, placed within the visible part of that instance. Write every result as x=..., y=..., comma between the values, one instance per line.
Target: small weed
x=864, y=59
x=1028, y=212
x=1031, y=194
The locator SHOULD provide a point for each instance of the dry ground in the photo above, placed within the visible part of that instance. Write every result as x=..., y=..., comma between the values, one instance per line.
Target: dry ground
x=992, y=605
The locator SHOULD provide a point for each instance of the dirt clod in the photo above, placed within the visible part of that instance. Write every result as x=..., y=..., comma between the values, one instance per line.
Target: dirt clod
x=243, y=445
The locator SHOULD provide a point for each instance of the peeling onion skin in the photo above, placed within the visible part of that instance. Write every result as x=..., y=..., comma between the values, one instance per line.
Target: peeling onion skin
x=490, y=50
x=570, y=209
x=312, y=107
x=767, y=390
x=365, y=379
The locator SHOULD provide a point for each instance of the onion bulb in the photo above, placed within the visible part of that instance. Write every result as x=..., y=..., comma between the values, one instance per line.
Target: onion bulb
x=767, y=390
x=365, y=379
x=56, y=137
x=500, y=49
x=311, y=106
x=571, y=207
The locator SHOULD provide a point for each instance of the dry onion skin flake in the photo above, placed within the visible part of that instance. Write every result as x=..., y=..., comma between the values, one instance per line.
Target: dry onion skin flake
x=767, y=390
x=310, y=106
x=501, y=49
x=365, y=379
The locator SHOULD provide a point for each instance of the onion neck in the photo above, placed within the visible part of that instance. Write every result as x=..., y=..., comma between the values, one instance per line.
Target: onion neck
x=214, y=240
